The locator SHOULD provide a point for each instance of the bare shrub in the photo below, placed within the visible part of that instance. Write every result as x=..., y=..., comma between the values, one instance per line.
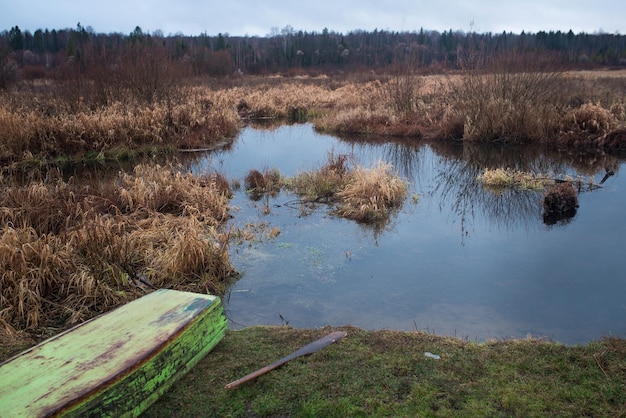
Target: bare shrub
x=147, y=72
x=401, y=92
x=9, y=70
x=509, y=97
x=337, y=164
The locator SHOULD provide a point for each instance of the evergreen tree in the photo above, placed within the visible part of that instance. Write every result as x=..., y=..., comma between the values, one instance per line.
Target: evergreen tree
x=16, y=39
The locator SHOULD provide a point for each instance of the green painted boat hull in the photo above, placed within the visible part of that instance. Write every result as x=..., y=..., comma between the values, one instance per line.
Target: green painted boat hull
x=117, y=364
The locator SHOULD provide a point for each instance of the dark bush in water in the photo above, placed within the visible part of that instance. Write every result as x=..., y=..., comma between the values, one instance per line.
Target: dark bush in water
x=559, y=203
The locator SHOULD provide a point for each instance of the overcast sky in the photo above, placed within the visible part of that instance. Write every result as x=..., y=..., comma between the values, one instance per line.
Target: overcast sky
x=253, y=17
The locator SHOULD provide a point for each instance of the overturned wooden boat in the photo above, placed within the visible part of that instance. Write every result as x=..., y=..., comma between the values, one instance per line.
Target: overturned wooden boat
x=116, y=364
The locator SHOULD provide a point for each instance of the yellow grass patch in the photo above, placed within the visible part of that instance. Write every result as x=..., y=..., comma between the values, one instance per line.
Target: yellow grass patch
x=502, y=178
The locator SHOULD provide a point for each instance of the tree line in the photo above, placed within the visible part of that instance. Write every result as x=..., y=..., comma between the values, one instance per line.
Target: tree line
x=33, y=55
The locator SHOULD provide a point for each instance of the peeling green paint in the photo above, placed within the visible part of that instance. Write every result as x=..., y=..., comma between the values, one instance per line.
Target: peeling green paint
x=117, y=364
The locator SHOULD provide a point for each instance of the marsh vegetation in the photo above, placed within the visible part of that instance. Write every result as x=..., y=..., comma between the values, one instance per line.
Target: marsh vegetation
x=79, y=238
x=50, y=127
x=365, y=195
x=74, y=248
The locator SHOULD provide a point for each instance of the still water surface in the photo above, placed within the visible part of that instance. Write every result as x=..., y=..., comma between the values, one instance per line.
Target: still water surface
x=460, y=261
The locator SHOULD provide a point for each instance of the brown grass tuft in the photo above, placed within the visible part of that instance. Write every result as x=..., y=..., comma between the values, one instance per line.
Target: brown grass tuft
x=615, y=140
x=586, y=124
x=255, y=180
x=258, y=184
x=368, y=196
x=217, y=181
x=371, y=194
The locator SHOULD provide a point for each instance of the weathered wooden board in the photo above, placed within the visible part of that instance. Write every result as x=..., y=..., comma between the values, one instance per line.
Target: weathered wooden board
x=117, y=364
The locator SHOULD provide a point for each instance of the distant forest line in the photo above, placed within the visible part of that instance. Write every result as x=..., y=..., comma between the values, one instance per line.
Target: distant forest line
x=35, y=55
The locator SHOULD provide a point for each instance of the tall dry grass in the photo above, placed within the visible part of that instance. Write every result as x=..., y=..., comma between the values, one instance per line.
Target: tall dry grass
x=509, y=98
x=290, y=99
x=402, y=93
x=43, y=127
x=405, y=105
x=69, y=250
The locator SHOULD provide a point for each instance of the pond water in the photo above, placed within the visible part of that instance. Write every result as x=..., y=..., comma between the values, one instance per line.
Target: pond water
x=460, y=260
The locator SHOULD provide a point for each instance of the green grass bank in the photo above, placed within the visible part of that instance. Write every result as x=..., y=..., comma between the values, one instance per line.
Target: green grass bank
x=386, y=373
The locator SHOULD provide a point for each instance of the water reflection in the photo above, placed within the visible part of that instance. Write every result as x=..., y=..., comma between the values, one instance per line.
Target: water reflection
x=461, y=163
x=463, y=260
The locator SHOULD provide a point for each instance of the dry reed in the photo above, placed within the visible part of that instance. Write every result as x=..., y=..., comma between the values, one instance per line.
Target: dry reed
x=368, y=196
x=503, y=102
x=371, y=195
x=43, y=128
x=69, y=251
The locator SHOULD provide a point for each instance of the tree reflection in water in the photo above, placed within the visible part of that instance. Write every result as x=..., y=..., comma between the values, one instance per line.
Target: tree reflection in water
x=461, y=163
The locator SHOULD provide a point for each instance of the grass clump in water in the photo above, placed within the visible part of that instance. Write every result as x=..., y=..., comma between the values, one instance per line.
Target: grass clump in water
x=322, y=184
x=259, y=183
x=499, y=178
x=368, y=196
x=371, y=194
